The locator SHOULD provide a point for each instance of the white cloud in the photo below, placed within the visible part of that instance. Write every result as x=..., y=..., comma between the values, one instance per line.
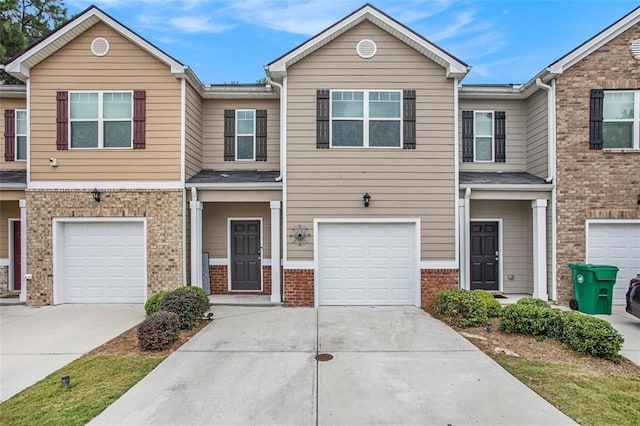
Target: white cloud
x=197, y=24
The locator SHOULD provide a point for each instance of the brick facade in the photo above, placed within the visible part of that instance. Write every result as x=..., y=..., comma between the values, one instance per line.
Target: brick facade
x=298, y=287
x=591, y=184
x=4, y=282
x=434, y=280
x=220, y=282
x=163, y=210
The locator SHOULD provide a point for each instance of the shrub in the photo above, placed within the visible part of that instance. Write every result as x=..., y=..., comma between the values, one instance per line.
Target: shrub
x=591, y=335
x=188, y=304
x=158, y=331
x=531, y=318
x=203, y=299
x=463, y=308
x=535, y=302
x=494, y=308
x=153, y=303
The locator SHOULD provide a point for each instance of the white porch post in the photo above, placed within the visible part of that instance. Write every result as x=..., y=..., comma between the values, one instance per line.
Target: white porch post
x=275, y=251
x=539, y=208
x=196, y=239
x=23, y=250
x=463, y=220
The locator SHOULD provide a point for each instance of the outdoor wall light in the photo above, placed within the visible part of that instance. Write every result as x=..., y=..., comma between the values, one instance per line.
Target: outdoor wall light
x=366, y=197
x=96, y=195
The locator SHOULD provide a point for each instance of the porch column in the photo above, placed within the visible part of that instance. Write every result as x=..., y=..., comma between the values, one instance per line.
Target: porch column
x=539, y=208
x=23, y=249
x=463, y=220
x=196, y=239
x=275, y=251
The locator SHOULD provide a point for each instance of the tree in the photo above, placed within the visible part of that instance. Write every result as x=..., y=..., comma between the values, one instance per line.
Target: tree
x=23, y=22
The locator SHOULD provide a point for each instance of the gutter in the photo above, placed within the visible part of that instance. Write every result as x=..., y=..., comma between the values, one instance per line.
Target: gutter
x=283, y=126
x=235, y=186
x=551, y=127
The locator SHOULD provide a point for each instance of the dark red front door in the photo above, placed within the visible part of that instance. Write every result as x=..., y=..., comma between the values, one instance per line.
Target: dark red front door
x=17, y=265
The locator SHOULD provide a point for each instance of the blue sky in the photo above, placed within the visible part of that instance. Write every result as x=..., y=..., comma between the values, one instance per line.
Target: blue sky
x=226, y=40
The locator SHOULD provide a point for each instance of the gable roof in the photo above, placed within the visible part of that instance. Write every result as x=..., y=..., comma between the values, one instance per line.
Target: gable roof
x=454, y=66
x=20, y=65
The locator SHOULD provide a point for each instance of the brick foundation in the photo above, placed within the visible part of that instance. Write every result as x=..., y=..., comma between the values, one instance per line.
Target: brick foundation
x=4, y=282
x=298, y=287
x=220, y=281
x=434, y=280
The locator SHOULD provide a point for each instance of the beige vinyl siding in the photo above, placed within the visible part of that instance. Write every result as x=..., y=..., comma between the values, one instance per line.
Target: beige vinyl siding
x=517, y=240
x=215, y=226
x=537, y=138
x=125, y=67
x=516, y=134
x=193, y=132
x=403, y=183
x=10, y=103
x=8, y=210
x=213, y=134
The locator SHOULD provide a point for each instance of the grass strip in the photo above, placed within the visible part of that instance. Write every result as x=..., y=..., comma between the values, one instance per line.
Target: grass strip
x=96, y=382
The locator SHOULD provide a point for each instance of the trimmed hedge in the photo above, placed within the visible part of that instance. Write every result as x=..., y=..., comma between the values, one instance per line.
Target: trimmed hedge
x=203, y=298
x=494, y=308
x=188, y=304
x=158, y=331
x=153, y=303
x=463, y=308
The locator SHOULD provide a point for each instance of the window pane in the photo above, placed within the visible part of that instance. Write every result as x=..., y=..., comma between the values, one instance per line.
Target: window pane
x=384, y=133
x=618, y=106
x=484, y=123
x=347, y=133
x=384, y=105
x=484, y=149
x=117, y=134
x=245, y=148
x=21, y=122
x=245, y=122
x=84, y=134
x=21, y=148
x=347, y=104
x=617, y=135
x=83, y=105
x=117, y=105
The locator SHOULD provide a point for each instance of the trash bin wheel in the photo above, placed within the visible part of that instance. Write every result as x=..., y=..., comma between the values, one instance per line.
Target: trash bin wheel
x=573, y=304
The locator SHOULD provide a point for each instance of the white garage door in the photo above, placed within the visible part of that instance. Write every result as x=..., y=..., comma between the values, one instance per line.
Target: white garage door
x=616, y=244
x=366, y=264
x=103, y=262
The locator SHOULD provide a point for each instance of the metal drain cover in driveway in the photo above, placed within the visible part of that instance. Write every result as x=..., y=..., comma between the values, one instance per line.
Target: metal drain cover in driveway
x=324, y=357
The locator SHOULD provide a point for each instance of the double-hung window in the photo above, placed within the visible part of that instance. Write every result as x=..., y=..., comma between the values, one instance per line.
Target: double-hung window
x=621, y=119
x=245, y=134
x=483, y=136
x=101, y=119
x=21, y=135
x=366, y=118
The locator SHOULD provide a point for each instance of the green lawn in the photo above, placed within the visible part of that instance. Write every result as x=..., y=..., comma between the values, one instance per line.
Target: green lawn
x=588, y=399
x=96, y=382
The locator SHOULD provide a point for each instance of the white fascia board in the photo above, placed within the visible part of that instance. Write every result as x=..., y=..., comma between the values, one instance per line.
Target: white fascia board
x=236, y=186
x=115, y=185
x=507, y=187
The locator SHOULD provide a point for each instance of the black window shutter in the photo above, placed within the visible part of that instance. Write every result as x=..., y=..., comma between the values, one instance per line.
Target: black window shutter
x=595, y=119
x=467, y=136
x=261, y=135
x=139, y=118
x=499, y=137
x=62, y=121
x=229, y=134
x=9, y=135
x=409, y=119
x=322, y=118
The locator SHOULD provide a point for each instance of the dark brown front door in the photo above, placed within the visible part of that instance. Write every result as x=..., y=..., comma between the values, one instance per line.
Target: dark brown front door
x=245, y=255
x=484, y=256
x=17, y=258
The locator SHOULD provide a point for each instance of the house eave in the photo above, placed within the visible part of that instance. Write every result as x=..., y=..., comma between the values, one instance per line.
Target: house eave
x=248, y=186
x=507, y=187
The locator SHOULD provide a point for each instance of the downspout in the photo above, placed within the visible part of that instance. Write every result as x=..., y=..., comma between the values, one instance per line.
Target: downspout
x=551, y=129
x=467, y=233
x=283, y=126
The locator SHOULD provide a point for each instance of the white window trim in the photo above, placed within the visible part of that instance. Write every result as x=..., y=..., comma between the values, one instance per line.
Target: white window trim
x=365, y=119
x=26, y=135
x=476, y=136
x=100, y=119
x=635, y=138
x=253, y=158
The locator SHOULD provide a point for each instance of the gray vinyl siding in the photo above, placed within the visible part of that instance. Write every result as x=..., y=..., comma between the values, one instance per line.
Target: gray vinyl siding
x=213, y=133
x=193, y=132
x=515, y=137
x=329, y=183
x=517, y=240
x=537, y=125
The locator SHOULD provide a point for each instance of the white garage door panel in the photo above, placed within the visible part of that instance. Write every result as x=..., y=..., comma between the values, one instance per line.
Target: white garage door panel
x=366, y=264
x=616, y=244
x=103, y=262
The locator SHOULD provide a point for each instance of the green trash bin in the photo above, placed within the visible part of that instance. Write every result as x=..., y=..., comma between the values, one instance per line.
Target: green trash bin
x=593, y=287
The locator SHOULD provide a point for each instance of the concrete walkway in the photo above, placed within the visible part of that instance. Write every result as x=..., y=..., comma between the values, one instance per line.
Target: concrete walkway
x=34, y=342
x=629, y=327
x=391, y=365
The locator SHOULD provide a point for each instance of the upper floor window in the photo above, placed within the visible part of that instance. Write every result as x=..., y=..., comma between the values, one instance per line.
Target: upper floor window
x=483, y=136
x=21, y=134
x=245, y=134
x=621, y=120
x=366, y=118
x=15, y=135
x=101, y=119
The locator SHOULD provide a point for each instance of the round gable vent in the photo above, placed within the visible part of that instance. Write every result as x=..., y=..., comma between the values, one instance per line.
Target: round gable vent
x=635, y=48
x=366, y=49
x=100, y=47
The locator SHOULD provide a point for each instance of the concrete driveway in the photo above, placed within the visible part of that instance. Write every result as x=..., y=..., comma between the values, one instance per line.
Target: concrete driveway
x=391, y=365
x=36, y=341
x=629, y=327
